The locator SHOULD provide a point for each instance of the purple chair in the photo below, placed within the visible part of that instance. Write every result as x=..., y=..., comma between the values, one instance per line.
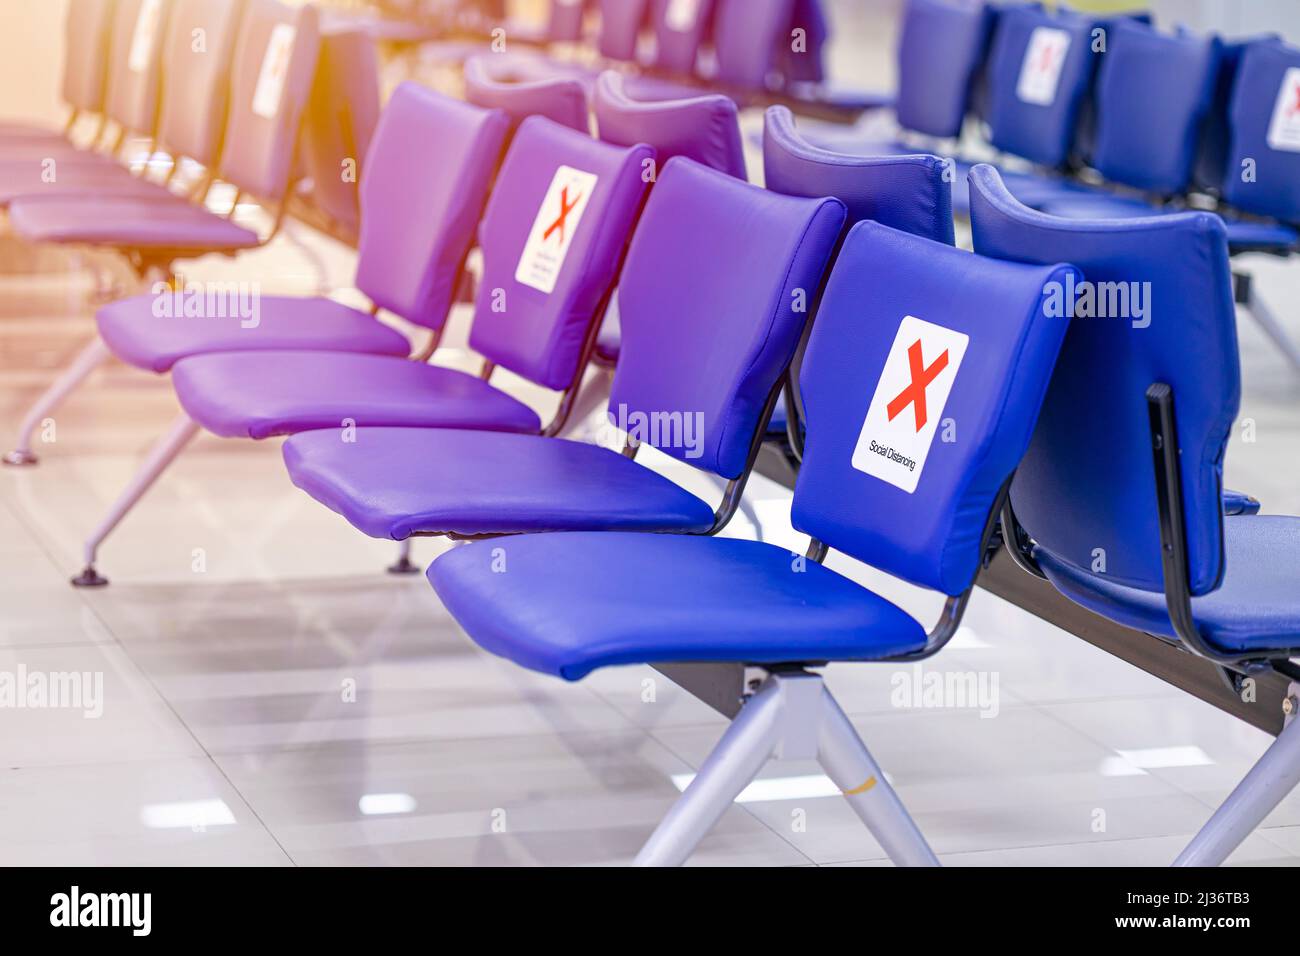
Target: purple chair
x=341, y=117
x=152, y=231
x=680, y=28
x=710, y=324
x=526, y=86
x=58, y=167
x=552, y=239
x=703, y=127
x=274, y=61
x=86, y=33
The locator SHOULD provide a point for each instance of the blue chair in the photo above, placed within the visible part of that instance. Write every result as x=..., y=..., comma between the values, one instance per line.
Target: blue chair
x=710, y=299
x=940, y=49
x=1151, y=144
x=895, y=303
x=908, y=192
x=1153, y=548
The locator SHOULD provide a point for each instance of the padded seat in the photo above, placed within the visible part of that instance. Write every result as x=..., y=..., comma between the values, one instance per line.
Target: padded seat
x=260, y=394
x=1256, y=608
x=570, y=603
x=137, y=336
x=1243, y=235
x=395, y=482
x=24, y=179
x=129, y=222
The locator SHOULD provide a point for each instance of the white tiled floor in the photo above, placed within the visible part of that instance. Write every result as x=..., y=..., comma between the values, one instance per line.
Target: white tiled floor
x=292, y=704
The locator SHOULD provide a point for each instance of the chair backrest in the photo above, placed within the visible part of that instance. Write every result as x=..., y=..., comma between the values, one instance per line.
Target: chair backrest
x=135, y=64
x=196, y=61
x=940, y=47
x=1040, y=68
x=523, y=87
x=909, y=193
x=271, y=77
x=87, y=34
x=719, y=282
x=1153, y=93
x=620, y=28
x=1262, y=174
x=800, y=47
x=423, y=186
x=1086, y=490
x=922, y=381
x=340, y=120
x=564, y=21
x=745, y=38
x=553, y=237
x=705, y=128
x=680, y=28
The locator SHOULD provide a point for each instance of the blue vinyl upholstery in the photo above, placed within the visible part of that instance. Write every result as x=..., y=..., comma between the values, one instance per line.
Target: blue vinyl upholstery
x=1273, y=189
x=1256, y=608
x=1093, y=445
x=1153, y=93
x=940, y=48
x=568, y=603
x=538, y=334
x=930, y=536
x=1040, y=132
x=906, y=192
x=689, y=299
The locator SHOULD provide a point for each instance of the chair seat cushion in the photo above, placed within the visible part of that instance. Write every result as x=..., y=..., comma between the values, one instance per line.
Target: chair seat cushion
x=18, y=180
x=1243, y=235
x=136, y=333
x=395, y=482
x=128, y=222
x=569, y=603
x=1256, y=608
x=260, y=394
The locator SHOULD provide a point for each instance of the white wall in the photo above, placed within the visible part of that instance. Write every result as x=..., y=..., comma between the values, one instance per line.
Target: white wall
x=31, y=59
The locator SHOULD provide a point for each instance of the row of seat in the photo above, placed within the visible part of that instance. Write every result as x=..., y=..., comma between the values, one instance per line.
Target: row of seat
x=748, y=47
x=716, y=282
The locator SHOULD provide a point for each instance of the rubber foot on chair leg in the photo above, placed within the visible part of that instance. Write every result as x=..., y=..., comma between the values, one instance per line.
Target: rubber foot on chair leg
x=404, y=566
x=19, y=457
x=89, y=578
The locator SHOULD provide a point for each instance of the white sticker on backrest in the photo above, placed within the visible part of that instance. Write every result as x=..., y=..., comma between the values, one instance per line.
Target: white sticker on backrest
x=553, y=228
x=275, y=70
x=682, y=14
x=909, y=401
x=1284, y=131
x=1040, y=73
x=147, y=22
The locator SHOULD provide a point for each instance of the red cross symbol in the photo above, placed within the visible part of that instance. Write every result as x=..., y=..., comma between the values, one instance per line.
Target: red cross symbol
x=566, y=207
x=1047, y=58
x=1295, y=107
x=922, y=376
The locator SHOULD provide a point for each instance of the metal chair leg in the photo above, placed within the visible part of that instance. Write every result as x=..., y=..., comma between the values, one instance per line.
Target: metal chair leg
x=403, y=564
x=89, y=359
x=792, y=716
x=1273, y=777
x=734, y=762
x=160, y=456
x=1268, y=321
